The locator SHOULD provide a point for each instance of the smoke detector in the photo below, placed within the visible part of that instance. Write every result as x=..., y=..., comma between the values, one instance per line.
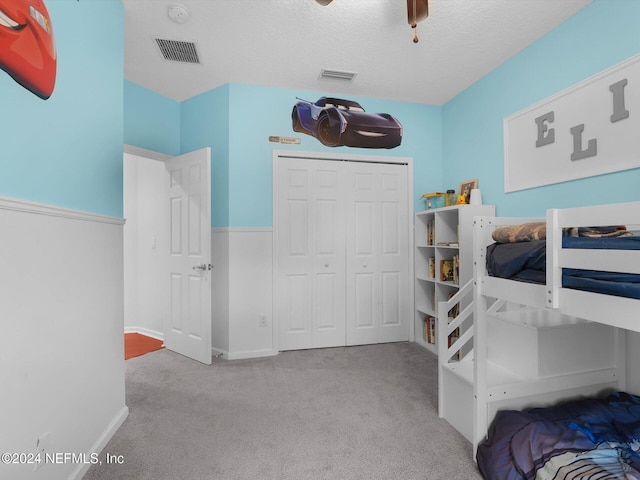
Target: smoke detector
x=178, y=13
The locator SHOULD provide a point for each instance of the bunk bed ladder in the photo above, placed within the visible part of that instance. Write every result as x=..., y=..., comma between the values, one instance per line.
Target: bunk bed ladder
x=455, y=353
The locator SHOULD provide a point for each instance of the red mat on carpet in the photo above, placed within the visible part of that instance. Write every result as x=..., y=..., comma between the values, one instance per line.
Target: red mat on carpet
x=136, y=344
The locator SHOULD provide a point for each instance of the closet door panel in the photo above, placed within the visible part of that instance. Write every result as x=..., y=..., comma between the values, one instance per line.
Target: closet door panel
x=363, y=229
x=391, y=295
x=294, y=256
x=310, y=255
x=362, y=267
x=364, y=305
x=390, y=226
x=378, y=245
x=328, y=251
x=297, y=305
x=363, y=240
x=325, y=295
x=394, y=254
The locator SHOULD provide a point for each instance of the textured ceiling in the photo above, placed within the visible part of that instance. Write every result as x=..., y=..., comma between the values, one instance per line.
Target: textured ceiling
x=286, y=43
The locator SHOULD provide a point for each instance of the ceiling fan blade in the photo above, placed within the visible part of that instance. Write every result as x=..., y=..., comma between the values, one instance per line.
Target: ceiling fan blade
x=417, y=10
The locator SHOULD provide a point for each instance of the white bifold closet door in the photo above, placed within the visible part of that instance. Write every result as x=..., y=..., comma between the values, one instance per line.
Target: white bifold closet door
x=342, y=252
x=377, y=249
x=311, y=255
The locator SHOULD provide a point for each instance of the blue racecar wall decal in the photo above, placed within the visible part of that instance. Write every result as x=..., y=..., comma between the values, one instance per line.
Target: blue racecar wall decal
x=337, y=122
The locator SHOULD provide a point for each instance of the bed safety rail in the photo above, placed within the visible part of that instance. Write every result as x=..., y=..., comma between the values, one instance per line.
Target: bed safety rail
x=495, y=287
x=623, y=261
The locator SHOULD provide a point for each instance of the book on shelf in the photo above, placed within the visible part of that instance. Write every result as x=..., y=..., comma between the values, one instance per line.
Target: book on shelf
x=446, y=270
x=432, y=267
x=448, y=244
x=430, y=232
x=430, y=329
x=455, y=310
x=453, y=338
x=456, y=269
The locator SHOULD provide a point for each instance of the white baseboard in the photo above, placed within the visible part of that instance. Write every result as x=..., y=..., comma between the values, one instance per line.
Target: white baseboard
x=250, y=354
x=101, y=442
x=145, y=331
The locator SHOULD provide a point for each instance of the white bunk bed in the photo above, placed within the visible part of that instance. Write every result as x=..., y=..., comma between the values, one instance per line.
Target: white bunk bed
x=577, y=327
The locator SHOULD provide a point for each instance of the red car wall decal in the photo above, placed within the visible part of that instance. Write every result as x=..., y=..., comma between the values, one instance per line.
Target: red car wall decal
x=27, y=47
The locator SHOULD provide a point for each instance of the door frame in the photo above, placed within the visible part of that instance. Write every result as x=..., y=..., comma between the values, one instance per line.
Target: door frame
x=339, y=157
x=131, y=324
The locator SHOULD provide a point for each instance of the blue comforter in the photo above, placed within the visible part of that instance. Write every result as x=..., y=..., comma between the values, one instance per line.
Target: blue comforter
x=590, y=438
x=526, y=262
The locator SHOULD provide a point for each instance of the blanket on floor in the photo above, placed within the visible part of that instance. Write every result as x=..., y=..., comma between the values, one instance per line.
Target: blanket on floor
x=589, y=438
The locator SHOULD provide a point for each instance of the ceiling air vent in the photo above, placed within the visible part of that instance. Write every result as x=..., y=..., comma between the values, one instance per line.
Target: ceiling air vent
x=178, y=51
x=337, y=74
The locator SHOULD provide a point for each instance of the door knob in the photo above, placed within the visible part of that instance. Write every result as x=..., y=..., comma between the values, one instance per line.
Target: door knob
x=203, y=267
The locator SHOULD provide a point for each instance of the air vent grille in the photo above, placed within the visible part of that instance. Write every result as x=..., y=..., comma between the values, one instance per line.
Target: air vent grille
x=337, y=74
x=178, y=51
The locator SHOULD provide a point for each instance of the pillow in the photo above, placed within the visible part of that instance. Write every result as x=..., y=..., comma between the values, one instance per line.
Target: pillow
x=520, y=233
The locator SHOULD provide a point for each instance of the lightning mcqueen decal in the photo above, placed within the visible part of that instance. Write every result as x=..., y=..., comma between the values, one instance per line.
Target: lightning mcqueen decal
x=27, y=47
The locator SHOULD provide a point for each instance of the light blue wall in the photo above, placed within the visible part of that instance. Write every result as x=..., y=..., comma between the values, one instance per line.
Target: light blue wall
x=237, y=120
x=151, y=121
x=205, y=123
x=67, y=150
x=255, y=113
x=599, y=36
x=460, y=141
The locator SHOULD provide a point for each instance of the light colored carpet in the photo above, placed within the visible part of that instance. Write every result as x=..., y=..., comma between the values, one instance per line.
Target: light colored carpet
x=366, y=412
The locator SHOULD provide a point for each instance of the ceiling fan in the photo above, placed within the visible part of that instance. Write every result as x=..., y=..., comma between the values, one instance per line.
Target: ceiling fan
x=417, y=10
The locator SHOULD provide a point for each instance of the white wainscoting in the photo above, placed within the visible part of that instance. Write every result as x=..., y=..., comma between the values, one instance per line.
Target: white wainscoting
x=61, y=350
x=243, y=292
x=220, y=293
x=243, y=289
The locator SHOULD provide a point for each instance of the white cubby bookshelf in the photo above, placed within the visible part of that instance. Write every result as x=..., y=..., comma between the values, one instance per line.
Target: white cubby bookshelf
x=441, y=234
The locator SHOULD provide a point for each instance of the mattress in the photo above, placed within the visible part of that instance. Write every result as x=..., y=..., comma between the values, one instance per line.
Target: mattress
x=526, y=262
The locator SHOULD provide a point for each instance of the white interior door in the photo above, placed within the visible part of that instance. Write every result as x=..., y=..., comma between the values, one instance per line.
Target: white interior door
x=188, y=329
x=377, y=244
x=310, y=254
